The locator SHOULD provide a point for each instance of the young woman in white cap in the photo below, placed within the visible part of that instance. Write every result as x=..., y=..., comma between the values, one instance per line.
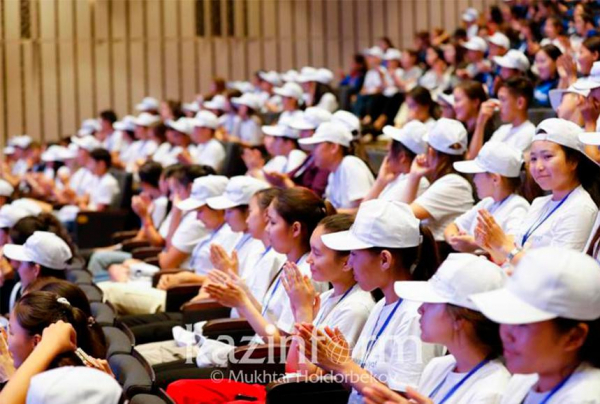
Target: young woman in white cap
x=496, y=174
x=565, y=218
x=473, y=372
x=346, y=307
x=350, y=179
x=407, y=143
x=249, y=130
x=387, y=244
x=317, y=89
x=207, y=150
x=549, y=316
x=291, y=96
x=449, y=194
x=281, y=142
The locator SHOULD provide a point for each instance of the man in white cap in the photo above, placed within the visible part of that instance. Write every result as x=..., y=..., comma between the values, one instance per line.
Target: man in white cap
x=470, y=19
x=281, y=140
x=144, y=146
x=514, y=99
x=316, y=83
x=104, y=188
x=291, y=96
x=206, y=149
x=478, y=66
x=179, y=134
x=149, y=105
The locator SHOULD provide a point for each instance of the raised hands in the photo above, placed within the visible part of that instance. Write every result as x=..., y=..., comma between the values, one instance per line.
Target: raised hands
x=304, y=298
x=329, y=349
x=223, y=261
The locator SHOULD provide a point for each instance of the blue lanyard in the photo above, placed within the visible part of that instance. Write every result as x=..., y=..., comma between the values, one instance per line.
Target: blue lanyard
x=457, y=385
x=200, y=246
x=322, y=316
x=553, y=391
x=500, y=204
x=373, y=341
x=538, y=223
x=266, y=306
x=245, y=238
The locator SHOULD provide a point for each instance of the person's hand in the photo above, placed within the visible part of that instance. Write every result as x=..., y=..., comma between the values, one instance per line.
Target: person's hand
x=486, y=112
x=377, y=393
x=7, y=366
x=58, y=338
x=420, y=167
x=385, y=174
x=119, y=273
x=185, y=157
x=330, y=347
x=590, y=110
x=490, y=236
x=566, y=66
x=140, y=204
x=223, y=261
x=171, y=280
x=483, y=66
x=277, y=179
x=229, y=295
x=463, y=242
x=218, y=277
x=304, y=298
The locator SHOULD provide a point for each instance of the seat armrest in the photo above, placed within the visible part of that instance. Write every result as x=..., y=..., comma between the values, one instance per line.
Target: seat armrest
x=121, y=236
x=204, y=310
x=178, y=295
x=145, y=252
x=238, y=330
x=131, y=245
x=157, y=275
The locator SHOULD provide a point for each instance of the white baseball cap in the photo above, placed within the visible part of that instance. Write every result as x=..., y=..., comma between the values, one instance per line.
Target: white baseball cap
x=88, y=142
x=89, y=127
x=378, y=223
x=249, y=100
x=499, y=39
x=445, y=133
x=470, y=14
x=146, y=120
x=28, y=205
x=270, y=77
x=291, y=75
x=182, y=125
x=348, y=119
x=280, y=130
x=73, y=385
x=374, y=51
x=239, y=191
x=10, y=215
x=148, y=104
x=562, y=132
x=22, y=141
x=590, y=82
x=556, y=94
x=205, y=119
x=241, y=86
x=445, y=98
x=55, y=153
x=127, y=123
x=8, y=150
x=43, y=248
x=291, y=90
x=547, y=283
x=392, y=54
x=193, y=106
x=513, y=59
x=5, y=188
x=329, y=132
x=476, y=43
x=322, y=75
x=311, y=119
x=459, y=276
x=496, y=158
x=217, y=102
x=411, y=135
x=204, y=188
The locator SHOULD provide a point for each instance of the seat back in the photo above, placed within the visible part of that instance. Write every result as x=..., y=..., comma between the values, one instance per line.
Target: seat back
x=92, y=292
x=125, y=181
x=233, y=164
x=104, y=314
x=133, y=375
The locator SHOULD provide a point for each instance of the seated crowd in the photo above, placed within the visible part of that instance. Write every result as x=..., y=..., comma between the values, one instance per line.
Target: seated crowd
x=465, y=269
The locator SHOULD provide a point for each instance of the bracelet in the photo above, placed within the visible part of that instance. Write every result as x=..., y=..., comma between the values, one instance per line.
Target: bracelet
x=513, y=253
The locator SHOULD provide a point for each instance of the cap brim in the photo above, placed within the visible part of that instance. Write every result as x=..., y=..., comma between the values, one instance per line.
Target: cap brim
x=344, y=241
x=590, y=138
x=418, y=291
x=220, y=203
x=504, y=307
x=311, y=141
x=16, y=252
x=472, y=48
x=5, y=223
x=190, y=204
x=500, y=61
x=468, y=167
x=302, y=125
x=272, y=130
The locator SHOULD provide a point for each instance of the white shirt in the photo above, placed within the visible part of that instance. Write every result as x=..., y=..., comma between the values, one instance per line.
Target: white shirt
x=225, y=237
x=230, y=122
x=288, y=116
x=20, y=167
x=166, y=154
x=159, y=210
x=445, y=200
x=189, y=232
x=350, y=182
x=103, y=190
x=328, y=102
x=373, y=82
x=276, y=164
x=114, y=141
x=349, y=314
x=399, y=356
x=211, y=153
x=249, y=131
x=249, y=250
x=81, y=181
x=519, y=137
x=486, y=386
x=509, y=214
x=583, y=387
x=285, y=164
x=395, y=190
x=569, y=226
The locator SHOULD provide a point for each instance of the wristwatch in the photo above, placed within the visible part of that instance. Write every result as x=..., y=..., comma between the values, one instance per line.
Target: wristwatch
x=512, y=254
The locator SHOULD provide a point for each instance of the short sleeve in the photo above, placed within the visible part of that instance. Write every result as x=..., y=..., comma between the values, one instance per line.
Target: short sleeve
x=189, y=233
x=449, y=195
x=358, y=179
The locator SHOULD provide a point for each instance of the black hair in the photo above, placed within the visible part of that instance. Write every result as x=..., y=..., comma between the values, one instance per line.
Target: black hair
x=396, y=148
x=519, y=87
x=592, y=44
x=150, y=173
x=336, y=223
x=264, y=197
x=486, y=331
x=552, y=51
x=422, y=96
x=101, y=154
x=26, y=226
x=588, y=172
x=589, y=351
x=188, y=174
x=108, y=115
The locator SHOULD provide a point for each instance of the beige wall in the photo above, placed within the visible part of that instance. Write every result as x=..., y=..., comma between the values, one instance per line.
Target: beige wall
x=86, y=55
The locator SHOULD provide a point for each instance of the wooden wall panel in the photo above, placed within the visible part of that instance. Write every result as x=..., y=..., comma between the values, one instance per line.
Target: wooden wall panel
x=83, y=56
